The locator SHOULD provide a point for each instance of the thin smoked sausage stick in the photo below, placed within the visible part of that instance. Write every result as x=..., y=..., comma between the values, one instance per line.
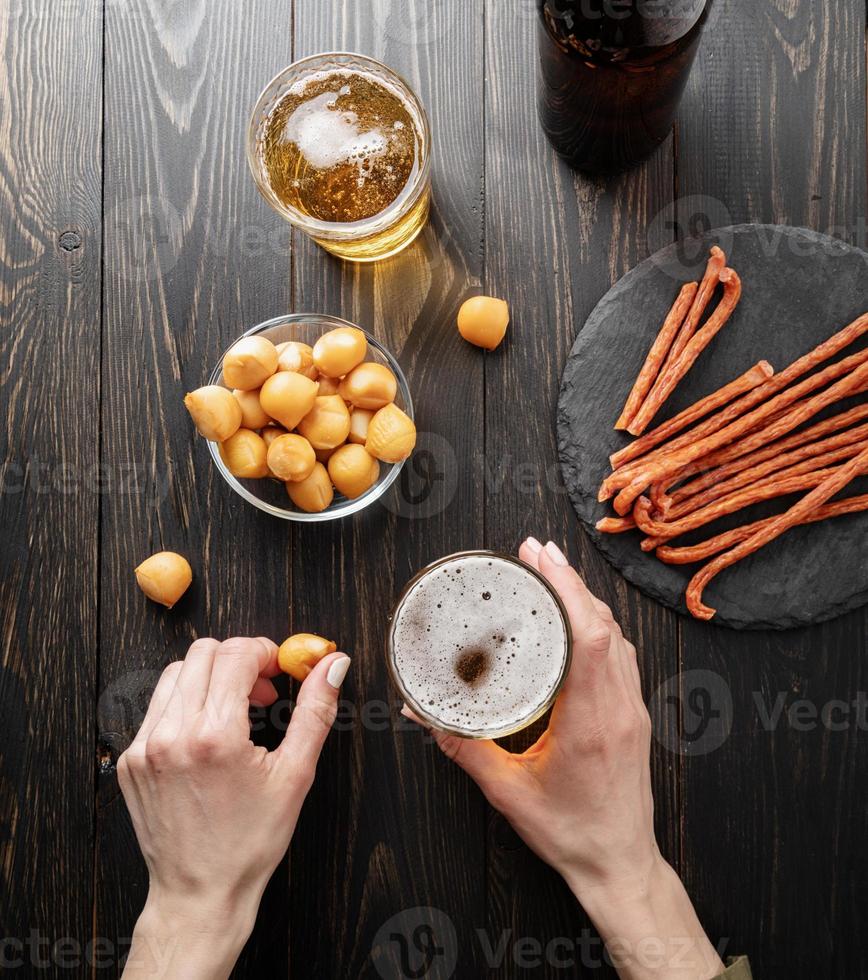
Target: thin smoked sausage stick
x=659, y=532
x=716, y=264
x=780, y=525
x=690, y=554
x=733, y=414
x=757, y=375
x=616, y=525
x=673, y=462
x=751, y=450
x=734, y=459
x=659, y=349
x=624, y=474
x=670, y=376
x=802, y=460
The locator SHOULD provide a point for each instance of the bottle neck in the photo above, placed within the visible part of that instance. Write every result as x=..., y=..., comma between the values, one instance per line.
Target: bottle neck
x=595, y=26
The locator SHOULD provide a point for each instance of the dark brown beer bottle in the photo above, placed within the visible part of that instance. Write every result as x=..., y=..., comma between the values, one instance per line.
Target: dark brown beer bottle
x=612, y=73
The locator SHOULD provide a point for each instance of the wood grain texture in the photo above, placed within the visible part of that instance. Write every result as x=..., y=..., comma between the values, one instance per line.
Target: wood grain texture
x=768, y=829
x=193, y=257
x=555, y=242
x=772, y=818
x=50, y=483
x=391, y=825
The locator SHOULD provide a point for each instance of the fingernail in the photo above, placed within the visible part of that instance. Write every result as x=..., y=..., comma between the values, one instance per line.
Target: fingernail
x=338, y=671
x=556, y=555
x=534, y=545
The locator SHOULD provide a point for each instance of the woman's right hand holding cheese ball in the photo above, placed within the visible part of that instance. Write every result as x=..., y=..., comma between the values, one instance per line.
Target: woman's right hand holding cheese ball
x=214, y=813
x=316, y=418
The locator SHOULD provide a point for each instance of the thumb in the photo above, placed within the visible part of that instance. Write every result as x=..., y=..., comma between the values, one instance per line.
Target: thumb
x=487, y=764
x=590, y=623
x=314, y=714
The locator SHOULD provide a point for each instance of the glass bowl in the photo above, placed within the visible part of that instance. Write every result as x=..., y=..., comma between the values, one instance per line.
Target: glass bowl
x=270, y=495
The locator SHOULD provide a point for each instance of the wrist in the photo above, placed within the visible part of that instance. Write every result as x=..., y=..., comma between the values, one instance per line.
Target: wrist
x=190, y=936
x=649, y=925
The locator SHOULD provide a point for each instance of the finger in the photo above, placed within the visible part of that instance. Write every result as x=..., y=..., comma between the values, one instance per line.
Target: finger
x=264, y=693
x=487, y=764
x=621, y=657
x=238, y=664
x=529, y=552
x=632, y=677
x=159, y=699
x=592, y=635
x=314, y=715
x=635, y=672
x=195, y=673
x=271, y=669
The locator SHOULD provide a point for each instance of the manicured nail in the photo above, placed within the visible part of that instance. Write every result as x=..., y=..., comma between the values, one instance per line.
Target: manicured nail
x=338, y=671
x=556, y=555
x=534, y=545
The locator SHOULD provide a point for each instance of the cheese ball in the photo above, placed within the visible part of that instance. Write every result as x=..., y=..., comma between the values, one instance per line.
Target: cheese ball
x=327, y=386
x=164, y=577
x=298, y=655
x=253, y=416
x=391, y=435
x=291, y=457
x=369, y=385
x=287, y=397
x=314, y=494
x=337, y=352
x=482, y=320
x=294, y=356
x=215, y=412
x=245, y=455
x=360, y=419
x=270, y=433
x=353, y=470
x=327, y=424
x=249, y=362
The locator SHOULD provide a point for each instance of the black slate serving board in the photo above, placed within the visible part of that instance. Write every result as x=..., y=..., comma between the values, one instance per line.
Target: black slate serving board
x=799, y=288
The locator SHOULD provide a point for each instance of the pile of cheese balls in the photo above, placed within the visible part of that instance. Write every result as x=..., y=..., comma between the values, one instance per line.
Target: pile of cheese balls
x=318, y=419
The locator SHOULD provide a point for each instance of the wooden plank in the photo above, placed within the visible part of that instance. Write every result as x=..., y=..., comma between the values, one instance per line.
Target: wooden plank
x=50, y=240
x=775, y=130
x=555, y=242
x=193, y=257
x=391, y=825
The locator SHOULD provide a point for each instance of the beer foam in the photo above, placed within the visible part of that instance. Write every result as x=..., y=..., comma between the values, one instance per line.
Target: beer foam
x=479, y=643
x=326, y=137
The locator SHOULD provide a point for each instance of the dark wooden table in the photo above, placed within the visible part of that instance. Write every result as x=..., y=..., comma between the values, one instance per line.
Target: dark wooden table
x=134, y=246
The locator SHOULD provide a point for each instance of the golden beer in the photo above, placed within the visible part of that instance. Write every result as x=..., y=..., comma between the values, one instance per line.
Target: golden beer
x=340, y=146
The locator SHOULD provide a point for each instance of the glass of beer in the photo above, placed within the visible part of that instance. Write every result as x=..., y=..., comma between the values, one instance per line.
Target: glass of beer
x=340, y=145
x=479, y=645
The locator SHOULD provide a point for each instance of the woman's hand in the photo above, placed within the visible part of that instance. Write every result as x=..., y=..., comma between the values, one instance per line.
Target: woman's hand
x=213, y=813
x=581, y=796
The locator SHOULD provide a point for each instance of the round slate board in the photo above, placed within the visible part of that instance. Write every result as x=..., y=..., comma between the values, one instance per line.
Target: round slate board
x=799, y=288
